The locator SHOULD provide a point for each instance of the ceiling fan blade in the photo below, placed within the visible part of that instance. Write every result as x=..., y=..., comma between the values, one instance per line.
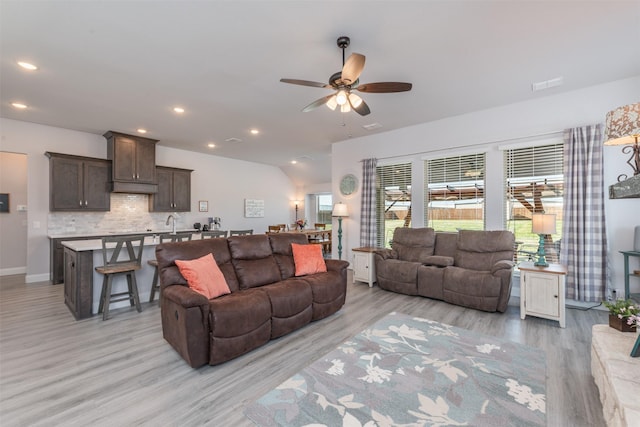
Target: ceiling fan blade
x=358, y=105
x=315, y=104
x=352, y=68
x=384, y=87
x=305, y=83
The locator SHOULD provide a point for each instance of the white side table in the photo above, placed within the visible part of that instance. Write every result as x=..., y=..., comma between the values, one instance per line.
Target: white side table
x=542, y=291
x=364, y=269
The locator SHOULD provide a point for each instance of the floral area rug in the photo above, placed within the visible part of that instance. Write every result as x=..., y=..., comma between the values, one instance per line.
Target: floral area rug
x=409, y=371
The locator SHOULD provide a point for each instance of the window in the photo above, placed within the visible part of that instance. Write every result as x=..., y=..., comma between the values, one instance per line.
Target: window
x=324, y=207
x=534, y=183
x=393, y=200
x=455, y=192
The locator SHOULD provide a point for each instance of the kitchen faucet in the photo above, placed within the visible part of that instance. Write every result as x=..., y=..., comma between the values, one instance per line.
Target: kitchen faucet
x=173, y=226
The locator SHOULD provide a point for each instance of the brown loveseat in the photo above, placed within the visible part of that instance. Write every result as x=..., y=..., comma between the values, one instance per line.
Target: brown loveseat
x=468, y=268
x=266, y=300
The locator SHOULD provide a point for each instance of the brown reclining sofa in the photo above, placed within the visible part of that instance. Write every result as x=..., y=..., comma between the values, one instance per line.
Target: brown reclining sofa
x=468, y=268
x=266, y=301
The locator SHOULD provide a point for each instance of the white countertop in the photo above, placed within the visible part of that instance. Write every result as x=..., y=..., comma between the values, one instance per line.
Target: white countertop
x=96, y=244
x=98, y=234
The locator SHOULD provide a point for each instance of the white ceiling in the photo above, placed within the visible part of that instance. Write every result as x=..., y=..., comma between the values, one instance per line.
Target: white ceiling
x=122, y=65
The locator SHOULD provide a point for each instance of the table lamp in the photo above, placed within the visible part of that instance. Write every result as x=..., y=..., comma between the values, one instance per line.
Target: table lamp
x=541, y=225
x=340, y=211
x=623, y=128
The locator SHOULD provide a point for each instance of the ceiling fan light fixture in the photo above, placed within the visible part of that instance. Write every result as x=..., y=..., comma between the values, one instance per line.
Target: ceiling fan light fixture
x=341, y=97
x=344, y=108
x=355, y=100
x=332, y=103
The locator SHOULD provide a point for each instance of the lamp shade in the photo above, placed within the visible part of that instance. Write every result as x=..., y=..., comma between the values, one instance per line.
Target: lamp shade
x=623, y=125
x=340, y=210
x=543, y=223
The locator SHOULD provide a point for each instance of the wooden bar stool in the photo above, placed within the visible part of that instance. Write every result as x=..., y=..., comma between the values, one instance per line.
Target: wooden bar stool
x=166, y=237
x=120, y=263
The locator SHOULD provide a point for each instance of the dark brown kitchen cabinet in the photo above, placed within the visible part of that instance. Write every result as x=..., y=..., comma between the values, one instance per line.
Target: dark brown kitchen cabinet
x=78, y=183
x=174, y=190
x=78, y=271
x=134, y=162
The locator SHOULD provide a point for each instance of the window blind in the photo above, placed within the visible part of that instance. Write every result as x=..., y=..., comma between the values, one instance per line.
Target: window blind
x=455, y=192
x=393, y=200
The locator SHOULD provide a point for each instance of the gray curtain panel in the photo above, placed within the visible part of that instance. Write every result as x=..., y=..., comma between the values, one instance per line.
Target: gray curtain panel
x=584, y=236
x=368, y=206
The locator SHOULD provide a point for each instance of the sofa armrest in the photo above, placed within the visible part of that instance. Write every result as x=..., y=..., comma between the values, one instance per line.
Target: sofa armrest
x=438, y=260
x=336, y=264
x=502, y=265
x=387, y=253
x=184, y=296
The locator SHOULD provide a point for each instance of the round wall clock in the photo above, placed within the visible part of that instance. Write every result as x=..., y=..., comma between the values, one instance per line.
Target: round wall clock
x=348, y=184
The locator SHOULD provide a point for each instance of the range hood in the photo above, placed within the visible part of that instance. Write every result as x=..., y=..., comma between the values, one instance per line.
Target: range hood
x=133, y=188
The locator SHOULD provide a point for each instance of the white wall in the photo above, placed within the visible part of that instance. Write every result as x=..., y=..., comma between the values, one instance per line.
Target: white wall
x=225, y=183
x=13, y=225
x=486, y=131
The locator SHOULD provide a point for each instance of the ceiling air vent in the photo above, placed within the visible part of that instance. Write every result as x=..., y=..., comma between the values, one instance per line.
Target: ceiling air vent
x=233, y=140
x=372, y=126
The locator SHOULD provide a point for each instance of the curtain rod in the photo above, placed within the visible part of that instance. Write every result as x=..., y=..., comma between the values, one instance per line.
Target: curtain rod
x=555, y=132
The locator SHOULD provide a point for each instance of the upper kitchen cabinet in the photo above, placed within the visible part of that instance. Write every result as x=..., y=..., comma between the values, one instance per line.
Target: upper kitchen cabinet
x=174, y=190
x=134, y=163
x=78, y=183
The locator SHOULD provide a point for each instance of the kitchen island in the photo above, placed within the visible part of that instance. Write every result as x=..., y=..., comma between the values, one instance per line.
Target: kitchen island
x=83, y=285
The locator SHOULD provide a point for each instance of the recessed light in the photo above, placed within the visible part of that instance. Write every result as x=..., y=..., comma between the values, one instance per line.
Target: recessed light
x=211, y=145
x=255, y=131
x=142, y=130
x=178, y=110
x=293, y=162
x=19, y=105
x=27, y=66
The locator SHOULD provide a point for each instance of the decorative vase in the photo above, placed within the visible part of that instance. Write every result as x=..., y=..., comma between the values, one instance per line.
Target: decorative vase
x=620, y=324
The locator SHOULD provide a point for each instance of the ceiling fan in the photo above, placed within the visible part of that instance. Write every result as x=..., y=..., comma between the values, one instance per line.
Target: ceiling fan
x=345, y=81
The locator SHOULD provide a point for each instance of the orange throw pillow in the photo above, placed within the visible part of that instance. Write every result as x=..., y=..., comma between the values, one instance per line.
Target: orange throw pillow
x=308, y=259
x=204, y=276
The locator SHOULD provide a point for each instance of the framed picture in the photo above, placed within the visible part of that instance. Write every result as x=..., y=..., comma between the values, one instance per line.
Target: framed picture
x=4, y=202
x=254, y=208
x=203, y=206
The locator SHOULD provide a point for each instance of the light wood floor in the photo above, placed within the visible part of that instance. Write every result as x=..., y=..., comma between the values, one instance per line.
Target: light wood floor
x=55, y=370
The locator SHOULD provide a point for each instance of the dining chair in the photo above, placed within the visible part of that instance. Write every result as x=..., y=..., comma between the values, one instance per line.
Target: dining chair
x=165, y=237
x=120, y=262
x=320, y=226
x=213, y=234
x=275, y=229
x=240, y=232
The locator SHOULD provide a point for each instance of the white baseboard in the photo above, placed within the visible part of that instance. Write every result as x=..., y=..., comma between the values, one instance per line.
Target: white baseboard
x=12, y=271
x=32, y=278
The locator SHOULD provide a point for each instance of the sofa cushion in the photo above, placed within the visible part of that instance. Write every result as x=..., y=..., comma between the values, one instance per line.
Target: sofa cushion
x=167, y=253
x=253, y=260
x=414, y=244
x=281, y=248
x=291, y=305
x=204, y=276
x=475, y=289
x=397, y=276
x=480, y=250
x=239, y=313
x=308, y=259
x=446, y=244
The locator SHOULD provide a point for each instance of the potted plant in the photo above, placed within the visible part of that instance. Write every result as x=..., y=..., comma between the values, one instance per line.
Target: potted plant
x=622, y=314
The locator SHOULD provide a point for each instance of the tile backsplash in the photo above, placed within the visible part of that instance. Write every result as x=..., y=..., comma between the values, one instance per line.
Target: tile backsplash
x=129, y=213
